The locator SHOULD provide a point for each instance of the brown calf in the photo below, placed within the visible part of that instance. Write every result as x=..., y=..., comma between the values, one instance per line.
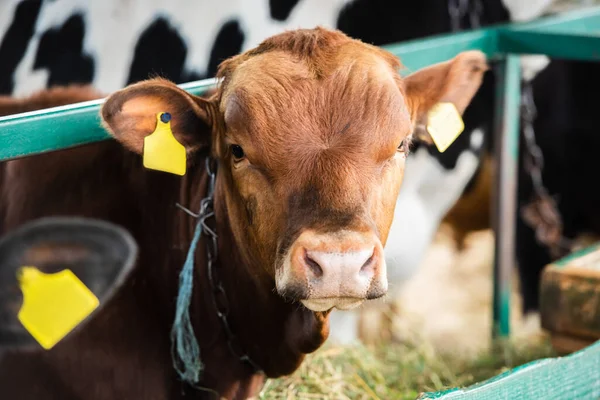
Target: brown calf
x=310, y=131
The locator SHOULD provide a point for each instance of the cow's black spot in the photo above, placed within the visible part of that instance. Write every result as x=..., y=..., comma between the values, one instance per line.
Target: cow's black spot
x=382, y=22
x=228, y=43
x=61, y=52
x=281, y=9
x=160, y=51
x=15, y=41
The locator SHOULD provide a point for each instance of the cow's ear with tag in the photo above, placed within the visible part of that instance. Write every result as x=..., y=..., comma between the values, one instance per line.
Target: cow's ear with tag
x=438, y=96
x=161, y=121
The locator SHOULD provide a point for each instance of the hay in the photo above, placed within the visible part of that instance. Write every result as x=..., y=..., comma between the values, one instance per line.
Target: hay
x=394, y=371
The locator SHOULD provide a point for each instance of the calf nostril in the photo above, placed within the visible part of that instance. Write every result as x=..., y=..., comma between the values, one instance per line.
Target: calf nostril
x=365, y=267
x=313, y=265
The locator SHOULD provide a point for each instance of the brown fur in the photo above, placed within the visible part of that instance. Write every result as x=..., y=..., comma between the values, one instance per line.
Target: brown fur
x=319, y=116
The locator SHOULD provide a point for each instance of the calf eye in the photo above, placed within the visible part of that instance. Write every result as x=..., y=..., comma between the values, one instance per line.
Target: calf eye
x=237, y=151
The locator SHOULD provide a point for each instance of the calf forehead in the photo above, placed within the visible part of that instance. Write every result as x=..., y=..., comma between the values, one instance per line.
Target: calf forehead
x=282, y=105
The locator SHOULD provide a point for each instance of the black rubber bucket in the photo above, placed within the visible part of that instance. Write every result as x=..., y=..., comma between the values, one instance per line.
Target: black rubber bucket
x=99, y=253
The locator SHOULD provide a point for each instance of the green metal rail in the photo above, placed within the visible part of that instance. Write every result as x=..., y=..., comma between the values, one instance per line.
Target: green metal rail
x=575, y=377
x=573, y=36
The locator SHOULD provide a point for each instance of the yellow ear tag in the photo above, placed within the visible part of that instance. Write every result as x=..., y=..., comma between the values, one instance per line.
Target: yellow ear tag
x=53, y=304
x=444, y=124
x=162, y=152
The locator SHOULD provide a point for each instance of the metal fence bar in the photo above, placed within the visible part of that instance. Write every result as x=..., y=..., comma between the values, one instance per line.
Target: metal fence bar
x=571, y=20
x=554, y=44
x=418, y=54
x=506, y=131
x=62, y=127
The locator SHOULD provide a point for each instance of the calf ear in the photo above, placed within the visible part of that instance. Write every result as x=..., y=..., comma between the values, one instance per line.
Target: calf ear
x=455, y=81
x=131, y=114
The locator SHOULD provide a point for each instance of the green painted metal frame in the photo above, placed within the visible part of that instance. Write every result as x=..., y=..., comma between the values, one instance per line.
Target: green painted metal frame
x=62, y=127
x=573, y=36
x=506, y=131
x=574, y=377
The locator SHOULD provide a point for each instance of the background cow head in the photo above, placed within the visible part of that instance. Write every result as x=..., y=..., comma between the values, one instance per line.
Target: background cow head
x=311, y=129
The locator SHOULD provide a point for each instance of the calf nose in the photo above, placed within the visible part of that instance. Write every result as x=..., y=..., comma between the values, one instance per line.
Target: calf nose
x=340, y=270
x=325, y=265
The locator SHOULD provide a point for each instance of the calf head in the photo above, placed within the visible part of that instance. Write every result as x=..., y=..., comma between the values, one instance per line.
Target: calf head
x=311, y=130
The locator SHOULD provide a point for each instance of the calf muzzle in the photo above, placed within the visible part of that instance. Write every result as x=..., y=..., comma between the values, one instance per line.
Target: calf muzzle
x=334, y=270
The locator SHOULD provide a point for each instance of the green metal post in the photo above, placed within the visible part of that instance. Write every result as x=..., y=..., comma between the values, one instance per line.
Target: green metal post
x=506, y=131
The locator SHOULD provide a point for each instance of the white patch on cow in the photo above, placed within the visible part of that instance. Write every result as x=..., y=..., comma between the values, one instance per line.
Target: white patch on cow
x=476, y=140
x=525, y=11
x=52, y=15
x=532, y=65
x=427, y=194
x=199, y=25
x=56, y=13
x=7, y=13
x=258, y=24
x=113, y=28
x=521, y=10
x=114, y=52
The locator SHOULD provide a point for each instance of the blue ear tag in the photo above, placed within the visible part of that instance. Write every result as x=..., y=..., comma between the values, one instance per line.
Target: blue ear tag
x=162, y=152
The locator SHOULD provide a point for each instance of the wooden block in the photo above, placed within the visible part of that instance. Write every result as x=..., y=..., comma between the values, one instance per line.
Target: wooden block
x=568, y=344
x=570, y=298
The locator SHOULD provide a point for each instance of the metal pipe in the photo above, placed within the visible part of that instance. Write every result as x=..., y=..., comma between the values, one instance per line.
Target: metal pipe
x=61, y=127
x=506, y=131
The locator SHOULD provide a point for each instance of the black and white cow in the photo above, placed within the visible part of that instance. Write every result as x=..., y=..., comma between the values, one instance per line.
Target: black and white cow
x=112, y=43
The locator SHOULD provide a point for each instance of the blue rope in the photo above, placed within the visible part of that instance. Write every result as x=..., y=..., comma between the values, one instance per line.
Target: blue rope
x=186, y=361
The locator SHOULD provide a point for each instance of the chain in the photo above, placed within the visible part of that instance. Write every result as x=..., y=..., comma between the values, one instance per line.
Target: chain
x=541, y=214
x=212, y=250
